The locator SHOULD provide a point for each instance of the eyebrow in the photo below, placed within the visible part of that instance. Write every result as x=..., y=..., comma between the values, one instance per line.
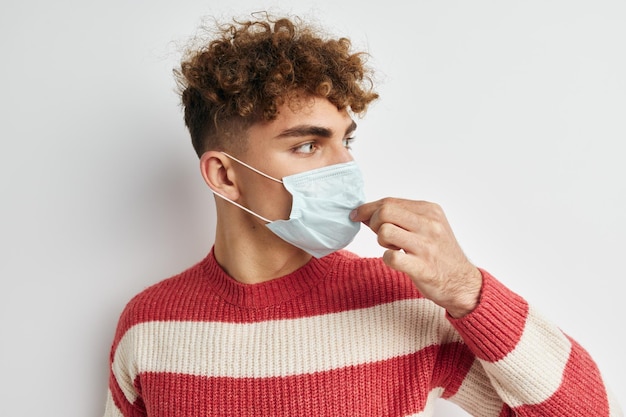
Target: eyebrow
x=312, y=130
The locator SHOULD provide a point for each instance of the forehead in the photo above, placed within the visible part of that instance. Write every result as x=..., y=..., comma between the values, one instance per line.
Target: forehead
x=315, y=112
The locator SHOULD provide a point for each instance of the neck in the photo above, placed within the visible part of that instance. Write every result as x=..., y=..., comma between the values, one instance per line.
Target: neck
x=251, y=253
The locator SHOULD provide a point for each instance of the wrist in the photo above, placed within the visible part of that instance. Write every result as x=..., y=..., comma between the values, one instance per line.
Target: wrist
x=468, y=295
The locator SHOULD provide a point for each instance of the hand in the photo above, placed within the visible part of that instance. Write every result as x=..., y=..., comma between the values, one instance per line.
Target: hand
x=420, y=243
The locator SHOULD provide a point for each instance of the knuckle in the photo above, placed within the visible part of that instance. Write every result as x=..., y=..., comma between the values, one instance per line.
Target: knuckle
x=386, y=229
x=391, y=257
x=436, y=211
x=388, y=201
x=437, y=229
x=385, y=212
x=387, y=233
x=383, y=241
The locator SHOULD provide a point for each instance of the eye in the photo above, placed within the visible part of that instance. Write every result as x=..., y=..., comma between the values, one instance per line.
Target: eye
x=347, y=142
x=306, y=148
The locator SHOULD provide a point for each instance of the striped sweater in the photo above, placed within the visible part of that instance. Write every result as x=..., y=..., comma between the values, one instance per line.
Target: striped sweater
x=341, y=336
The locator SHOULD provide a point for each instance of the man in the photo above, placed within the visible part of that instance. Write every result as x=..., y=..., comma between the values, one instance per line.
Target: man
x=278, y=320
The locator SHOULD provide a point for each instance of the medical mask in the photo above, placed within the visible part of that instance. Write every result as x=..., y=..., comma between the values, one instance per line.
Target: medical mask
x=323, y=198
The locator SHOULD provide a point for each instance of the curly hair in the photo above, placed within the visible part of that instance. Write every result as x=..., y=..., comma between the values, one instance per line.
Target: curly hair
x=251, y=68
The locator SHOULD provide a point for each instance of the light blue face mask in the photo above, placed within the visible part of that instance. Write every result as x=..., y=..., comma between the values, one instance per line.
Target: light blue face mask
x=319, y=222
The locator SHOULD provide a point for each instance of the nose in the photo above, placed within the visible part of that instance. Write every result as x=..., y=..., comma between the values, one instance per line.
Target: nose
x=340, y=154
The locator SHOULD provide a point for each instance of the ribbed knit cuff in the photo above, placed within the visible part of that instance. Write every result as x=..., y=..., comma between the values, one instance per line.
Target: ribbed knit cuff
x=495, y=326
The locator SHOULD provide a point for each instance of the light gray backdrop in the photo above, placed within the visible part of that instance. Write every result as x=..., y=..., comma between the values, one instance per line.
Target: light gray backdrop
x=511, y=115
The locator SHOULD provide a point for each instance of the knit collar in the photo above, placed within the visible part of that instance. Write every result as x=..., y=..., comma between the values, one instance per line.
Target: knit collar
x=267, y=293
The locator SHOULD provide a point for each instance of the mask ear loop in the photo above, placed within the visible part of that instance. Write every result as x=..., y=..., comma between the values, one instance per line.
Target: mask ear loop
x=239, y=205
x=242, y=207
x=252, y=168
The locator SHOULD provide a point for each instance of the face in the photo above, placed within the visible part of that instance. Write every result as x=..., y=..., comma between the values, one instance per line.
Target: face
x=313, y=135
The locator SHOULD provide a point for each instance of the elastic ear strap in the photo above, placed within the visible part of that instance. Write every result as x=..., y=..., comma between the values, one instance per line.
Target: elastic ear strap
x=252, y=168
x=241, y=207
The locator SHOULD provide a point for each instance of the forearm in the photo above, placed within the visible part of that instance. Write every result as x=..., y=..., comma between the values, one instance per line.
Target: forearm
x=532, y=365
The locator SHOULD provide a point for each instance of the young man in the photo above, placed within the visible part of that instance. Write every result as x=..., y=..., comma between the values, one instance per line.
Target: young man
x=277, y=320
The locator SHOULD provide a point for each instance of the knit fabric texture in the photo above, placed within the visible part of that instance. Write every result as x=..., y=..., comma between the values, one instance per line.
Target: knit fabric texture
x=341, y=336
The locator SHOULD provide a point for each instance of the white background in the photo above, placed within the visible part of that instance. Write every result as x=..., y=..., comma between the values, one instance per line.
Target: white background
x=511, y=115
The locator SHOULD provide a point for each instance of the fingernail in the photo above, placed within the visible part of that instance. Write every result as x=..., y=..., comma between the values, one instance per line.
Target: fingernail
x=353, y=214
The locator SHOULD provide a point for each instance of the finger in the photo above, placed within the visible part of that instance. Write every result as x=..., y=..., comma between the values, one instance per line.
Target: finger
x=364, y=212
x=391, y=236
x=370, y=213
x=403, y=262
x=406, y=216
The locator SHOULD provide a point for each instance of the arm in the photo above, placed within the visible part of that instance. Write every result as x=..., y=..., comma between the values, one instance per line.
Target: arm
x=117, y=404
x=534, y=368
x=123, y=398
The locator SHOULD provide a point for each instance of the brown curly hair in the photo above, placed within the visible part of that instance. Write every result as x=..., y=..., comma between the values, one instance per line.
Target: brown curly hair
x=250, y=68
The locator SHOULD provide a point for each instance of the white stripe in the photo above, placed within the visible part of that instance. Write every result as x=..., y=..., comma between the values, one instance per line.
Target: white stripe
x=614, y=408
x=476, y=395
x=110, y=410
x=542, y=347
x=431, y=402
x=281, y=347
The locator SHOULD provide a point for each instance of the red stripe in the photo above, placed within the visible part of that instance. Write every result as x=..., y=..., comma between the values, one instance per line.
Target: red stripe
x=495, y=327
x=581, y=394
x=120, y=401
x=395, y=387
x=205, y=293
x=454, y=361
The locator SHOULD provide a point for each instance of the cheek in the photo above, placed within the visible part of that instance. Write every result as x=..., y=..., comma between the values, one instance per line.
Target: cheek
x=277, y=203
x=271, y=201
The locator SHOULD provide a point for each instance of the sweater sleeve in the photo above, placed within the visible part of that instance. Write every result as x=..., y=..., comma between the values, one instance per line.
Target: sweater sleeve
x=123, y=396
x=534, y=367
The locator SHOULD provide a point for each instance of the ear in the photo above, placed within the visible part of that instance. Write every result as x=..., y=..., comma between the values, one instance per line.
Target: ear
x=217, y=171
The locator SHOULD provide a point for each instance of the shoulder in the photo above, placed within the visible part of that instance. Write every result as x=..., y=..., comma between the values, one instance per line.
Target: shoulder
x=370, y=267
x=372, y=275
x=158, y=301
